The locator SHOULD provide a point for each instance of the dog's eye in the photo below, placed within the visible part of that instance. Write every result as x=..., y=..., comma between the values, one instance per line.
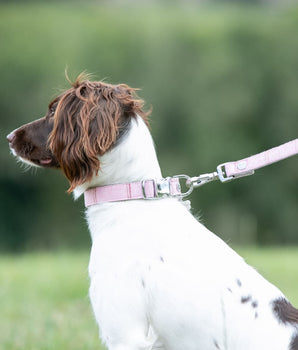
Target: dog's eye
x=52, y=112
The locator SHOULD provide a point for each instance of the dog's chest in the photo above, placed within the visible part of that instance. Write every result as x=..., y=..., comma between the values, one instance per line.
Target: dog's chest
x=157, y=265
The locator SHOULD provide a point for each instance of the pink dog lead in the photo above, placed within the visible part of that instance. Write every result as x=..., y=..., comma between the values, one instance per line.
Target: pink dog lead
x=170, y=186
x=233, y=170
x=247, y=166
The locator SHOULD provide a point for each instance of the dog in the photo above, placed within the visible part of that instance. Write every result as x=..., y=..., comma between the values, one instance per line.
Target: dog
x=159, y=279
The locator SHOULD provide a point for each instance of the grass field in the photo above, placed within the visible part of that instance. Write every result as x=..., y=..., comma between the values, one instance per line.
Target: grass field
x=44, y=296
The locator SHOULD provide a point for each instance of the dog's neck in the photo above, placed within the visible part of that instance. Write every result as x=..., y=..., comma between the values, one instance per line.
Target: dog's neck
x=132, y=159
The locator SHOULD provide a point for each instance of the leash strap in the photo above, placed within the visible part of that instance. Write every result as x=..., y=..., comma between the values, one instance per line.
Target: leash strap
x=247, y=166
x=233, y=170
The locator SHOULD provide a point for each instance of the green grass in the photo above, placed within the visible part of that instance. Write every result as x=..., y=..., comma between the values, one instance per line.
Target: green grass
x=44, y=296
x=44, y=303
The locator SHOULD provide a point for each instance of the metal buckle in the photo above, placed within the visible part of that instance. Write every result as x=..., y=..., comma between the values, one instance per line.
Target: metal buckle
x=162, y=187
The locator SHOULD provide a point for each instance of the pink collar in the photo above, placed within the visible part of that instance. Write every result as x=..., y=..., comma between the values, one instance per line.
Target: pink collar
x=147, y=189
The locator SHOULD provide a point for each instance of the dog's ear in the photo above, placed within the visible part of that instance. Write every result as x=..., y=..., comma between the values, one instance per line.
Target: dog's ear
x=87, y=122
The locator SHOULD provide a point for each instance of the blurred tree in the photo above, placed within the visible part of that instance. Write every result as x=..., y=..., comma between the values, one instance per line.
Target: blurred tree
x=223, y=84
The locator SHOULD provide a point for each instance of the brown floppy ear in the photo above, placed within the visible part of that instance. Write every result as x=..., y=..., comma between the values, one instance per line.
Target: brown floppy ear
x=87, y=121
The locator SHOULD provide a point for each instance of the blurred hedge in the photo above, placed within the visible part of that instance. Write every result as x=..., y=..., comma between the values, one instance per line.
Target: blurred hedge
x=223, y=83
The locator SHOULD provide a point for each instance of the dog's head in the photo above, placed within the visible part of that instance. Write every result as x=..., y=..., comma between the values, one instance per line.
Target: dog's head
x=81, y=124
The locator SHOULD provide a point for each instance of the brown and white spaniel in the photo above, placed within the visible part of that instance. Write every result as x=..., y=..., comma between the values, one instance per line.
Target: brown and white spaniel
x=159, y=278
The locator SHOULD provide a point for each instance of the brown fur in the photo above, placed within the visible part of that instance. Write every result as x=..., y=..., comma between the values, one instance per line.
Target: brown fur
x=294, y=343
x=82, y=123
x=30, y=142
x=285, y=312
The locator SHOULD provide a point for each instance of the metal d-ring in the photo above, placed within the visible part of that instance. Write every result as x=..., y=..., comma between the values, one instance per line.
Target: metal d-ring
x=188, y=184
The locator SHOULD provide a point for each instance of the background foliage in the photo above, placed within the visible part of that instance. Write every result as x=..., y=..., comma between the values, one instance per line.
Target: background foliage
x=223, y=83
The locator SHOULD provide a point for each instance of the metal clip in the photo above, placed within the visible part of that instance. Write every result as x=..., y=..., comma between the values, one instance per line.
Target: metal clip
x=203, y=179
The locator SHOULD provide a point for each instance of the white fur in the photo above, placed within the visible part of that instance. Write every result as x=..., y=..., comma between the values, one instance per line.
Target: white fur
x=160, y=279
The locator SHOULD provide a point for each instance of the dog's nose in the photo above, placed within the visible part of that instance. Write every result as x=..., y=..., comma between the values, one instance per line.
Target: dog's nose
x=10, y=137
